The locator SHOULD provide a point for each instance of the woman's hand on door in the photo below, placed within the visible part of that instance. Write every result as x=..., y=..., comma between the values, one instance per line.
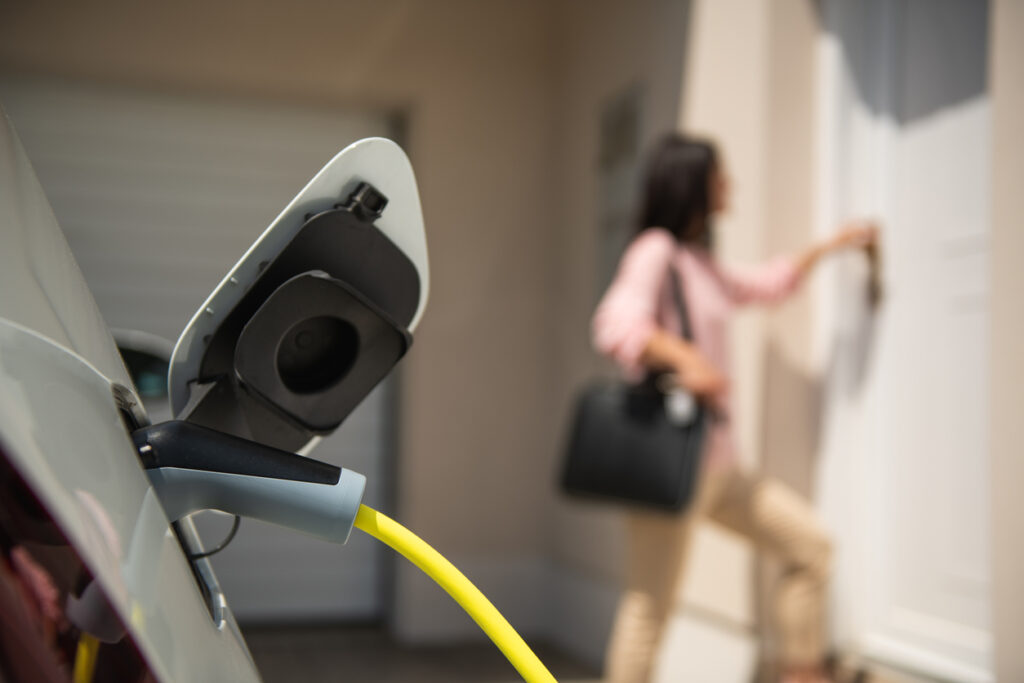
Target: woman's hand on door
x=856, y=234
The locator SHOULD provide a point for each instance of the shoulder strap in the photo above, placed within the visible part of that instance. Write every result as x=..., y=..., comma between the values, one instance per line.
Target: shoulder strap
x=676, y=283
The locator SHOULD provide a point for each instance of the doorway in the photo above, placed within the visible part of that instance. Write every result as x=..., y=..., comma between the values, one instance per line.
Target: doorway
x=904, y=474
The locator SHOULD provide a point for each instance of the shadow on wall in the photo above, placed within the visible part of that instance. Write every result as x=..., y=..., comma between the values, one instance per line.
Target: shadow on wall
x=793, y=424
x=797, y=399
x=907, y=99
x=792, y=418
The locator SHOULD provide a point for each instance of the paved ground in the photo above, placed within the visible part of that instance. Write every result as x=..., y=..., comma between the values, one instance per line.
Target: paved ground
x=367, y=654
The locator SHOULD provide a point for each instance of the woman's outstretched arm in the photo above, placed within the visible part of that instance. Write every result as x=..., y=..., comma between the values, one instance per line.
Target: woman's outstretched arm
x=773, y=281
x=853, y=235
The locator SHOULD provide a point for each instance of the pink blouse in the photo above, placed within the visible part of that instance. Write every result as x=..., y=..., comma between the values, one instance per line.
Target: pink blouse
x=639, y=301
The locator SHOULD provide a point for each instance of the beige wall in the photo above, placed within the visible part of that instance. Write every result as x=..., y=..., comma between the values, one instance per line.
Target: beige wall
x=1007, y=362
x=789, y=400
x=789, y=419
x=725, y=99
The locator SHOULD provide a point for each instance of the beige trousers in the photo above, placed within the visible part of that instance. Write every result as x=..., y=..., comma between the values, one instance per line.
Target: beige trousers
x=763, y=510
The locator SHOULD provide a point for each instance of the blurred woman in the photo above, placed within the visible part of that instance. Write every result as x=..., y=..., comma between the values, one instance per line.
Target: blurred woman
x=637, y=325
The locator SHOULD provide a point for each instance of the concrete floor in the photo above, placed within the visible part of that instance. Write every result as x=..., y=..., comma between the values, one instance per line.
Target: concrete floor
x=368, y=653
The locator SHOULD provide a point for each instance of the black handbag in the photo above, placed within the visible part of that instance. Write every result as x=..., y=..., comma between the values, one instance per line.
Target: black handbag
x=624, y=446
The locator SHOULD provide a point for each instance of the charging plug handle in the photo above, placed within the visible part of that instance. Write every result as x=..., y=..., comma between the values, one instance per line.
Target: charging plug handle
x=195, y=468
x=185, y=445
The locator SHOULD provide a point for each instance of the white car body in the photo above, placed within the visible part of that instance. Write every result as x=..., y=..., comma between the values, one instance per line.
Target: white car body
x=63, y=387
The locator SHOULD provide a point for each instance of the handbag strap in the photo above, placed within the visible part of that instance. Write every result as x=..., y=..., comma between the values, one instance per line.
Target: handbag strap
x=676, y=283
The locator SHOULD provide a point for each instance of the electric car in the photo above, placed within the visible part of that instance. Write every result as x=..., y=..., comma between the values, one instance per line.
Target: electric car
x=102, y=573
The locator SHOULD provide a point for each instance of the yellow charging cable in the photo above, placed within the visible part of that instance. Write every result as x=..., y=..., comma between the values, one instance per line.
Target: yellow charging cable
x=85, y=658
x=393, y=534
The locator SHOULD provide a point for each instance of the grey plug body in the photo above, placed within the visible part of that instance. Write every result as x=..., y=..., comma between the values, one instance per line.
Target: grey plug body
x=326, y=511
x=194, y=468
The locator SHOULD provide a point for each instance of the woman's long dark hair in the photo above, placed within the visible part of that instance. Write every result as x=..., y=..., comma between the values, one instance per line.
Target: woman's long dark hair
x=676, y=190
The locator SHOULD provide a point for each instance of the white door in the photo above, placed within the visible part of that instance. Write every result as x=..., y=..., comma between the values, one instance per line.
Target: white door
x=158, y=196
x=905, y=447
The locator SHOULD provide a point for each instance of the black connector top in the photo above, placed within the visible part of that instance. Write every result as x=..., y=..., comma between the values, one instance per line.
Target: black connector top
x=188, y=446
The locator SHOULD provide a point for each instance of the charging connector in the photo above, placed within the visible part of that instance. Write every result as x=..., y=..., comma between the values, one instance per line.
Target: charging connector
x=194, y=468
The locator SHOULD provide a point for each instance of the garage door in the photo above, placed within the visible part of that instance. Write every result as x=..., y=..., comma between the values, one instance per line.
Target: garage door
x=159, y=195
